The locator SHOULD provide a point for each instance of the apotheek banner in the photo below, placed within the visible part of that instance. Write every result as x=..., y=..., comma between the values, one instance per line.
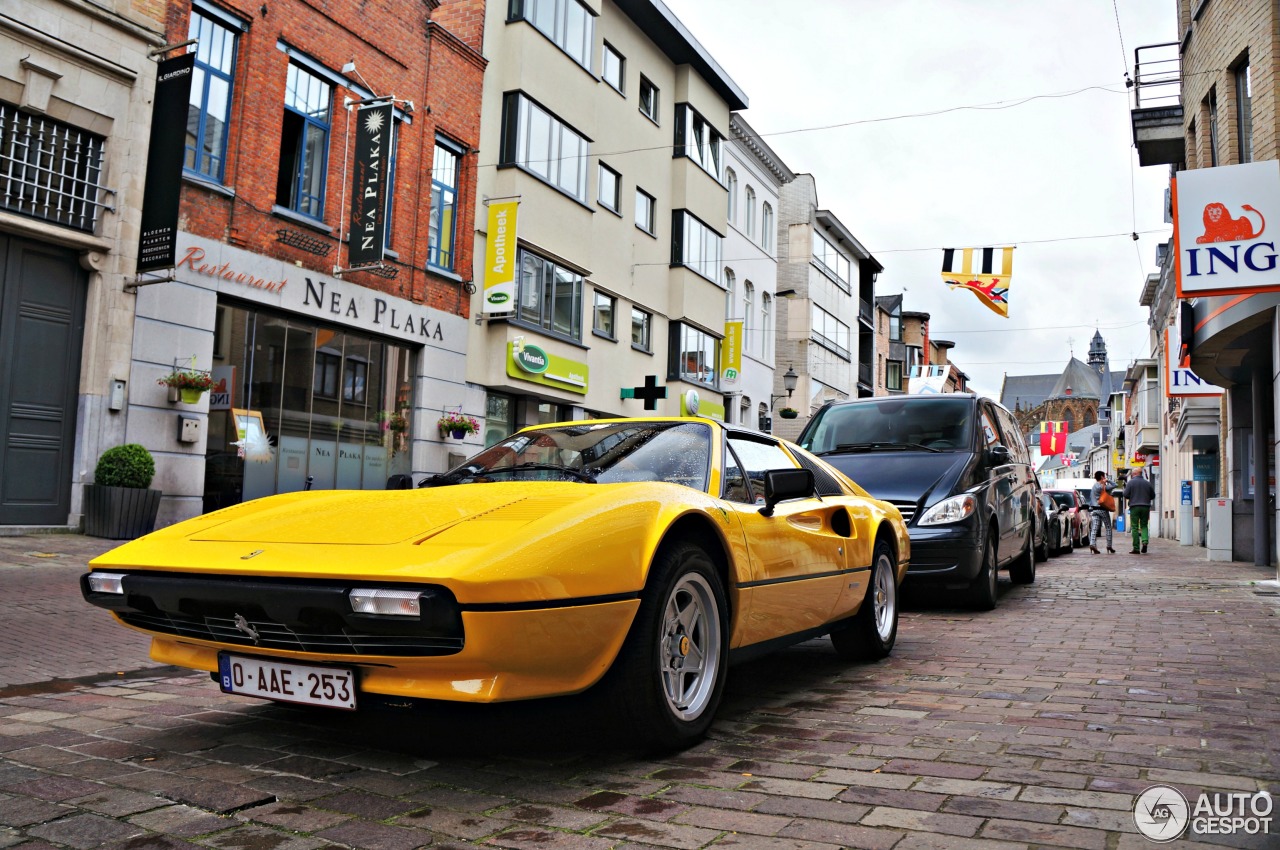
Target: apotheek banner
x=500, y=258
x=158, y=237
x=367, y=228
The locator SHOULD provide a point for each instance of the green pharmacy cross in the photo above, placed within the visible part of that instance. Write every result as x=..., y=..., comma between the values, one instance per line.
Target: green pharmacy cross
x=649, y=393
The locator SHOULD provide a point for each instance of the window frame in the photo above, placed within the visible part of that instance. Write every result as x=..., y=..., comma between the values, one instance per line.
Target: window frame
x=601, y=171
x=820, y=261
x=749, y=213
x=682, y=222
x=650, y=107
x=652, y=221
x=1244, y=112
x=216, y=21
x=889, y=382
x=528, y=11
x=731, y=184
x=299, y=198
x=821, y=336
x=682, y=333
x=540, y=318
x=605, y=51
x=433, y=246
x=518, y=115
x=695, y=133
x=596, y=298
x=766, y=227
x=646, y=322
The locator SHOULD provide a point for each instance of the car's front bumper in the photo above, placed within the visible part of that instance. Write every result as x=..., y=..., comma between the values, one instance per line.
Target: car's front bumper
x=947, y=556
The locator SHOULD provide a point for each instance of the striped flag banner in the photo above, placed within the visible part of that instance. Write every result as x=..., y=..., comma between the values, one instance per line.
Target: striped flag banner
x=983, y=271
x=1053, y=438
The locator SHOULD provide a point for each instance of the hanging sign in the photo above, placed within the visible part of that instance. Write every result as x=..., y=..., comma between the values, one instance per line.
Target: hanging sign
x=500, y=258
x=367, y=229
x=158, y=232
x=1225, y=220
x=732, y=350
x=1181, y=381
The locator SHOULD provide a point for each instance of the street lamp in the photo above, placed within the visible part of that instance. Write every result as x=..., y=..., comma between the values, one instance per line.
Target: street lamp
x=788, y=383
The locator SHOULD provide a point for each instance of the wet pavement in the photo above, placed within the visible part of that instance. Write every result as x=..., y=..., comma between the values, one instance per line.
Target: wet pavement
x=1034, y=725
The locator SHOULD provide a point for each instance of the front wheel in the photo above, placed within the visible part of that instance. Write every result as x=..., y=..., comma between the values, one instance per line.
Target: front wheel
x=982, y=593
x=669, y=676
x=874, y=629
x=1023, y=568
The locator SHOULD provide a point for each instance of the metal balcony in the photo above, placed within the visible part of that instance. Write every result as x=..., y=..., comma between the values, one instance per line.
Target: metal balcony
x=1157, y=104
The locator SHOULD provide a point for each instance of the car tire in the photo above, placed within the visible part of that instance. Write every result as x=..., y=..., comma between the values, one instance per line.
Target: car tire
x=1069, y=547
x=1023, y=568
x=874, y=629
x=1044, y=550
x=982, y=593
x=683, y=614
x=1055, y=548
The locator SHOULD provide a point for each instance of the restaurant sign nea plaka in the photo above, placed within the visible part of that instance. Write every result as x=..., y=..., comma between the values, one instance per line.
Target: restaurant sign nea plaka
x=1226, y=224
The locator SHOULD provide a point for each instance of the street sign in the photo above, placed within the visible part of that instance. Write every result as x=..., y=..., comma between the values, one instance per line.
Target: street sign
x=1186, y=492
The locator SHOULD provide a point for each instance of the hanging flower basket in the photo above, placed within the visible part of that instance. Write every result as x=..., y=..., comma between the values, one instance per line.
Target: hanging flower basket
x=190, y=383
x=458, y=425
x=788, y=413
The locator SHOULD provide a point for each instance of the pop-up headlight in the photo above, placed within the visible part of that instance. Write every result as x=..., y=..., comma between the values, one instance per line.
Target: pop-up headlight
x=391, y=603
x=106, y=582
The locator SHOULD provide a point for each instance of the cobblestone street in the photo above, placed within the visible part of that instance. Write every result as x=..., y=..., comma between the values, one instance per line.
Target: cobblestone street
x=1035, y=725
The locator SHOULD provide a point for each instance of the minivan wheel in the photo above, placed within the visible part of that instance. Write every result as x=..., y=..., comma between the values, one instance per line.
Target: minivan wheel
x=982, y=593
x=1023, y=568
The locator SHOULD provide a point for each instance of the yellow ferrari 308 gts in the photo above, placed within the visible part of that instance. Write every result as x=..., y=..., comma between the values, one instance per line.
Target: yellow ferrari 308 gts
x=639, y=556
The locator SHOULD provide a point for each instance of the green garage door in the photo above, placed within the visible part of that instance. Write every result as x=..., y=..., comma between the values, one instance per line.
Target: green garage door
x=42, y=295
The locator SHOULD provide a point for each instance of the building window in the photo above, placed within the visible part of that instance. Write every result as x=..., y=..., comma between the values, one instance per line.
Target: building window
x=209, y=111
x=391, y=181
x=550, y=296
x=649, y=100
x=645, y=217
x=543, y=145
x=748, y=307
x=1244, y=112
x=304, y=143
x=893, y=374
x=53, y=171
x=610, y=187
x=641, y=329
x=695, y=246
x=354, y=378
x=895, y=327
x=830, y=332
x=568, y=23
x=766, y=227
x=442, y=225
x=766, y=326
x=1212, y=105
x=695, y=355
x=730, y=293
x=698, y=140
x=749, y=223
x=602, y=316
x=830, y=260
x=731, y=183
x=613, y=68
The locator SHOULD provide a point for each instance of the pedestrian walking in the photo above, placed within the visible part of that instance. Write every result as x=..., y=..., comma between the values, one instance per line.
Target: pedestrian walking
x=1101, y=504
x=1139, y=493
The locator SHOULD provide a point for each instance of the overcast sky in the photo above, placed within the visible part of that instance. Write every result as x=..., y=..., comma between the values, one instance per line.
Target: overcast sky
x=1055, y=168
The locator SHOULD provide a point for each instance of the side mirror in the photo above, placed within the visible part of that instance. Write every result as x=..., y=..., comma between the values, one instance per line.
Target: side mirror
x=998, y=455
x=400, y=481
x=783, y=484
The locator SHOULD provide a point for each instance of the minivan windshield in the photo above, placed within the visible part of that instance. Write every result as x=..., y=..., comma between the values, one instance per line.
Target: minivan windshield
x=915, y=423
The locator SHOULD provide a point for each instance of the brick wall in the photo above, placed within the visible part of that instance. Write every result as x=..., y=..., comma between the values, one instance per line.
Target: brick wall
x=423, y=52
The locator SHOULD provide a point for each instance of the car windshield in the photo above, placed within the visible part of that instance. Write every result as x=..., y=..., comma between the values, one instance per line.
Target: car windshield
x=600, y=452
x=1064, y=499
x=932, y=423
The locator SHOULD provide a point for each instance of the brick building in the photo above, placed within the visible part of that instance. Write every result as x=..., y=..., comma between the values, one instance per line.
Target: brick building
x=328, y=371
x=76, y=86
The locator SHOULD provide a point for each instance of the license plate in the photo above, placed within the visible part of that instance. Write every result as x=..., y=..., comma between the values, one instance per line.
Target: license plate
x=334, y=687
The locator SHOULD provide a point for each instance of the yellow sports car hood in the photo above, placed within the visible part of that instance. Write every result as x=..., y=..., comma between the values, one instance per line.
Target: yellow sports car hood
x=354, y=517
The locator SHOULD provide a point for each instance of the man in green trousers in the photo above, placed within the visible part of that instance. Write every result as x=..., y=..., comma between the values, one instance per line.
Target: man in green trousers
x=1139, y=493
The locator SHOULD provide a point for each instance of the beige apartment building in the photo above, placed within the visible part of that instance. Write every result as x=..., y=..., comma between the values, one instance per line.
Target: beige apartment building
x=606, y=122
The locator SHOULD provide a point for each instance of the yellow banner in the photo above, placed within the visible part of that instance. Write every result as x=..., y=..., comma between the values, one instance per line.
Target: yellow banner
x=500, y=258
x=731, y=354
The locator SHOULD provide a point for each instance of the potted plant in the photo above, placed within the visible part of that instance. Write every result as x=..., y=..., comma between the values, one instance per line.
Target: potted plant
x=788, y=413
x=190, y=383
x=458, y=425
x=119, y=504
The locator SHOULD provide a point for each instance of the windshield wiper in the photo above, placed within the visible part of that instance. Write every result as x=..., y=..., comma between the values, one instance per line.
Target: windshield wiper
x=881, y=446
x=554, y=467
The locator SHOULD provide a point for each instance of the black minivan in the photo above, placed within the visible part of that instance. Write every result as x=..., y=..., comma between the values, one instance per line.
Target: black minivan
x=956, y=466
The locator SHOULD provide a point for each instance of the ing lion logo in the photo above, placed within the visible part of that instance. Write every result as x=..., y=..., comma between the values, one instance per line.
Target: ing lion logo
x=1219, y=226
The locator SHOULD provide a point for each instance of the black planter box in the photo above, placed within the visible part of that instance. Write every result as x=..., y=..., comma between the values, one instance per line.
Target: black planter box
x=119, y=513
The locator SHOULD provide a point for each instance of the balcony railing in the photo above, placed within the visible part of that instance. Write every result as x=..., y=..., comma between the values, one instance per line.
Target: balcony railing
x=1157, y=104
x=864, y=373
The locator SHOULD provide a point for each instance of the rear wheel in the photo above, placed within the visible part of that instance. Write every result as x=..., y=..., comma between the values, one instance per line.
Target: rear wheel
x=1044, y=550
x=874, y=629
x=982, y=593
x=669, y=676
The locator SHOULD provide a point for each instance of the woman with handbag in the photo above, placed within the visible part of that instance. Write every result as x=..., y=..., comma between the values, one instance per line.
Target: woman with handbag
x=1101, y=504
